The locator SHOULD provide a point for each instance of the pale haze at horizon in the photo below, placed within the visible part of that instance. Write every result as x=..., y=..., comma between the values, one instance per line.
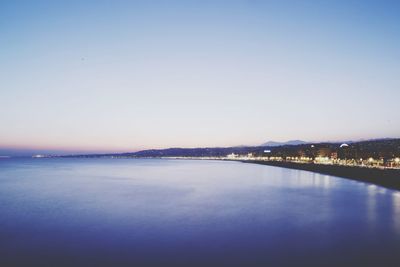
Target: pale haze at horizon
x=120, y=76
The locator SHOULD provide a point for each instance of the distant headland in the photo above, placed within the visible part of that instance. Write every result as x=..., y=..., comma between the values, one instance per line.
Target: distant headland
x=379, y=153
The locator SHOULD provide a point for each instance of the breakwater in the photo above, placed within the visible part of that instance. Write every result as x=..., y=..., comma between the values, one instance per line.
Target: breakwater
x=389, y=178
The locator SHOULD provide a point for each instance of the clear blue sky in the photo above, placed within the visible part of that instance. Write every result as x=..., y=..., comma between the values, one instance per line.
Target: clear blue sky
x=129, y=75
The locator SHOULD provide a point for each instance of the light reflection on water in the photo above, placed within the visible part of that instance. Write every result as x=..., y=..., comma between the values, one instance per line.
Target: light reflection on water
x=371, y=205
x=396, y=211
x=108, y=212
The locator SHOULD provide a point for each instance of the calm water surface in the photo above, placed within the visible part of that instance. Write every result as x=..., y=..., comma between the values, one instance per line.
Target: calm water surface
x=133, y=212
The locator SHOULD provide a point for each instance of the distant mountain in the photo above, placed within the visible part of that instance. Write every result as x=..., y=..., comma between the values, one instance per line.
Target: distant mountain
x=288, y=143
x=387, y=147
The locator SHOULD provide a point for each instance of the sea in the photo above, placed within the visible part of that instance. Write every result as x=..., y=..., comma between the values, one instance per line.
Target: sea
x=165, y=212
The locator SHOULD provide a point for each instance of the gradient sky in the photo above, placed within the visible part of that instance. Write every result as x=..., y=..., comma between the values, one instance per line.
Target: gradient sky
x=129, y=75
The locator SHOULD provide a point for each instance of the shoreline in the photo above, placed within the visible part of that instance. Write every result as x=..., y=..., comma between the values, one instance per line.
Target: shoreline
x=388, y=178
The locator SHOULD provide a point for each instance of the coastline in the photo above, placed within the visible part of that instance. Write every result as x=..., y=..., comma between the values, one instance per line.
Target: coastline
x=388, y=178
